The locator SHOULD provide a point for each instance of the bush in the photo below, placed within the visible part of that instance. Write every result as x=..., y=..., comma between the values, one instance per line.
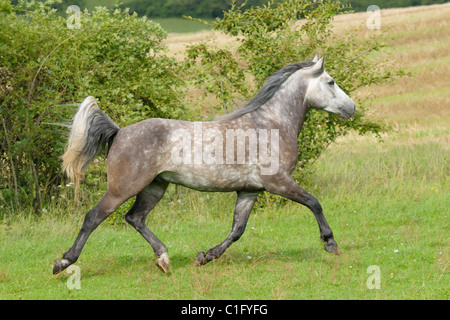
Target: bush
x=271, y=37
x=46, y=67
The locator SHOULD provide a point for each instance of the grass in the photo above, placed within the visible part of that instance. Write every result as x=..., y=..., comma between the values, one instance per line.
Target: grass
x=180, y=25
x=387, y=203
x=279, y=256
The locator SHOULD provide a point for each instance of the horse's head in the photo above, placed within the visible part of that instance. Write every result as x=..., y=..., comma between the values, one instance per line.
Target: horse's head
x=323, y=93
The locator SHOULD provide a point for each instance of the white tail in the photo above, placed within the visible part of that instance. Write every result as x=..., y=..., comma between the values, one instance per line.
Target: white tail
x=91, y=131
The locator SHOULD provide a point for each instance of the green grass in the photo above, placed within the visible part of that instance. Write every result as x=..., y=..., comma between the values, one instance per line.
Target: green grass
x=279, y=257
x=180, y=25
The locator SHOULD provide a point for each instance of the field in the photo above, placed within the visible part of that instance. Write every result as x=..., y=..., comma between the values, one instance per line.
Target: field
x=387, y=202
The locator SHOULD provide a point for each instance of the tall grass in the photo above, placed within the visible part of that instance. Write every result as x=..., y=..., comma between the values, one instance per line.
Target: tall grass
x=369, y=168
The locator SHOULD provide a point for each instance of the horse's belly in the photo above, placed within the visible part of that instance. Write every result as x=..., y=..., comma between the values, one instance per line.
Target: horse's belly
x=215, y=179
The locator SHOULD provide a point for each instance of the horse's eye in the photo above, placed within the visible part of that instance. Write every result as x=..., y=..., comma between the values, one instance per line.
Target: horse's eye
x=331, y=82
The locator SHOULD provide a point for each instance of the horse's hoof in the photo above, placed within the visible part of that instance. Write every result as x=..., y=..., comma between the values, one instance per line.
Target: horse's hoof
x=201, y=259
x=163, y=262
x=331, y=246
x=60, y=265
x=204, y=258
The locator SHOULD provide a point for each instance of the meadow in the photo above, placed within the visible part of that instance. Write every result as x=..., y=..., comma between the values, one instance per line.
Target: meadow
x=387, y=202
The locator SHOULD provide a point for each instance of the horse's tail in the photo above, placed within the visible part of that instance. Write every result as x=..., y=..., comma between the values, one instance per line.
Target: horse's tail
x=91, y=131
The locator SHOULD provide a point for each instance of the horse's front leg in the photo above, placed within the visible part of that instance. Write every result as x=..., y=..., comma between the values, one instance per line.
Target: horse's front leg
x=286, y=186
x=244, y=205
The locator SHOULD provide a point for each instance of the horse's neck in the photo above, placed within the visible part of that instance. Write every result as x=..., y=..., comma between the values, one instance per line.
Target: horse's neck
x=285, y=110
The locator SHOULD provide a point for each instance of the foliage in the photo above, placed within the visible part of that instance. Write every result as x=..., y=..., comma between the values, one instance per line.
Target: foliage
x=177, y=8
x=216, y=72
x=212, y=8
x=216, y=8
x=270, y=37
x=46, y=67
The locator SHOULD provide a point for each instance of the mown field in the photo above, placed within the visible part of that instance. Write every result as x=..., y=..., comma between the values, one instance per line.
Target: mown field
x=387, y=202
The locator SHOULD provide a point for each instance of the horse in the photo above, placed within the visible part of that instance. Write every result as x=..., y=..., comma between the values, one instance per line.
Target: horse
x=233, y=153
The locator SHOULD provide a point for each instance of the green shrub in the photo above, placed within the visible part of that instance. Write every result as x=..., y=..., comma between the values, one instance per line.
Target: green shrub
x=46, y=67
x=271, y=37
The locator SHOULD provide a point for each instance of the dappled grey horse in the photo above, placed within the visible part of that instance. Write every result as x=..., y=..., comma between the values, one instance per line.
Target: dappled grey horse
x=251, y=150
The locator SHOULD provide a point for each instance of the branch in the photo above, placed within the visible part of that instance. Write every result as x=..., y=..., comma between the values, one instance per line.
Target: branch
x=33, y=82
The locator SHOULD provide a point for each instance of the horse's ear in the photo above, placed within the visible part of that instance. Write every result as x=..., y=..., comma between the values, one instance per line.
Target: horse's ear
x=316, y=58
x=318, y=68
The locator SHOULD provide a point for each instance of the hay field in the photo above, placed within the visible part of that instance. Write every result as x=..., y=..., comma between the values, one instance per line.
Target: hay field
x=418, y=41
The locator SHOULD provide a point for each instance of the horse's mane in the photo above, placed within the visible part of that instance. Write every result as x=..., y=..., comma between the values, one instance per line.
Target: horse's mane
x=268, y=90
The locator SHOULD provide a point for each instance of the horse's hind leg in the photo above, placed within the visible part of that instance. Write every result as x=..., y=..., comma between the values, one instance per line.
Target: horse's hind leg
x=92, y=219
x=146, y=200
x=244, y=205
